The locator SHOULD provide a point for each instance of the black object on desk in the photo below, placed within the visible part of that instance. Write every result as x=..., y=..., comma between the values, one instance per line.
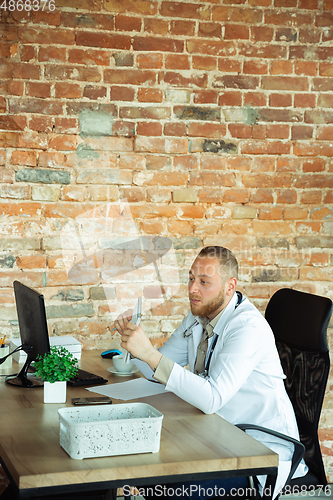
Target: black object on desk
x=110, y=353
x=86, y=378
x=33, y=332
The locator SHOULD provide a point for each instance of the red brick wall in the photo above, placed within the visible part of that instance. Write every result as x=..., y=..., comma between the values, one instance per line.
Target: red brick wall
x=213, y=119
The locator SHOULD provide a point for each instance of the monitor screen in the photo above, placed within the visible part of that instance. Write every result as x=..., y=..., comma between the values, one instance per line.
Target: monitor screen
x=33, y=331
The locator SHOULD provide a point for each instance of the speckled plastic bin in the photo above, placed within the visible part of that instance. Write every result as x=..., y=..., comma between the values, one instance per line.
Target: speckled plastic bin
x=101, y=431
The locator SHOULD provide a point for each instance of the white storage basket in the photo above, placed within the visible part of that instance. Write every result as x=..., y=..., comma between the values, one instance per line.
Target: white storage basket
x=100, y=431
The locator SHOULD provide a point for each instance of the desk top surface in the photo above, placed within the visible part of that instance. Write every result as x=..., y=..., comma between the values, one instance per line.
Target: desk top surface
x=191, y=442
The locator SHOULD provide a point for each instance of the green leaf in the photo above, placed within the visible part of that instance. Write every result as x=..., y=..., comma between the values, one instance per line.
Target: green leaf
x=58, y=364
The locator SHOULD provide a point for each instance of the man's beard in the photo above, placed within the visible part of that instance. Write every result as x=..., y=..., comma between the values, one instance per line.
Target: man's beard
x=206, y=309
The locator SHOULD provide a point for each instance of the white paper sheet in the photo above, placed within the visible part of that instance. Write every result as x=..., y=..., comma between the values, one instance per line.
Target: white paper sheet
x=131, y=389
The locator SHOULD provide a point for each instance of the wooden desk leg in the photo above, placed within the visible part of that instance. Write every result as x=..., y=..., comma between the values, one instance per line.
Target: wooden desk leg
x=111, y=494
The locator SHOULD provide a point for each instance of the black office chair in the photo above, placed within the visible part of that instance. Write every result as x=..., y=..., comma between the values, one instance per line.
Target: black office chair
x=299, y=322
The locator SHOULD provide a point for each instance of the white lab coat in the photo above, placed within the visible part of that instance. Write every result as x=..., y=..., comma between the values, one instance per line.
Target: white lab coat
x=245, y=382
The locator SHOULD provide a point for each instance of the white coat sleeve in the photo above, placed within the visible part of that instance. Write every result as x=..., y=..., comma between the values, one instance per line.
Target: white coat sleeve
x=235, y=357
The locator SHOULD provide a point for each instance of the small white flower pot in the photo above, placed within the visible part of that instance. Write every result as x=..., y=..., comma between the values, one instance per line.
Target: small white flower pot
x=55, y=392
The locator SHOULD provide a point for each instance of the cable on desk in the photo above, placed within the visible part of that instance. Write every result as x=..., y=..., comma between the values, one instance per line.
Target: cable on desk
x=23, y=347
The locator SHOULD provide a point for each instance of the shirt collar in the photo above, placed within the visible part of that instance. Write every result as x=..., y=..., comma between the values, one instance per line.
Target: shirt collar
x=210, y=325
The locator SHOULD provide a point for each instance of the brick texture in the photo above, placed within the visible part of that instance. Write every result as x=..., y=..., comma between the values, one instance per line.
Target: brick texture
x=213, y=119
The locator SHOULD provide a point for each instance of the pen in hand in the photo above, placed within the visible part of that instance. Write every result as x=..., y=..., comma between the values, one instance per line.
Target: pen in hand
x=136, y=316
x=128, y=355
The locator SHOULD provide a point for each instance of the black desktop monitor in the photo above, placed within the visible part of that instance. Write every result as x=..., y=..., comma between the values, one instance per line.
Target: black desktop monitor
x=33, y=331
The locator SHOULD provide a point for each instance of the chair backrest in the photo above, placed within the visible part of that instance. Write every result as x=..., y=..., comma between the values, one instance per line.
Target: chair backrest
x=299, y=322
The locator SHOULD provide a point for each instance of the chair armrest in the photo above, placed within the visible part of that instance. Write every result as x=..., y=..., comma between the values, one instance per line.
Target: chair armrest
x=299, y=448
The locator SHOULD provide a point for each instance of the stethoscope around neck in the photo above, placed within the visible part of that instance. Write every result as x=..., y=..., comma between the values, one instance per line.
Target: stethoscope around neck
x=188, y=332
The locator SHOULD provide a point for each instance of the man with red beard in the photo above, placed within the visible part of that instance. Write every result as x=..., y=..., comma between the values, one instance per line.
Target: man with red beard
x=234, y=368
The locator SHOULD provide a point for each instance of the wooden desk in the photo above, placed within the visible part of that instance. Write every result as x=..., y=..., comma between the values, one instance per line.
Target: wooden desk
x=193, y=445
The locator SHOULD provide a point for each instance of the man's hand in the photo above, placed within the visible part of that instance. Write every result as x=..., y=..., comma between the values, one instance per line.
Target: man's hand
x=135, y=340
x=123, y=320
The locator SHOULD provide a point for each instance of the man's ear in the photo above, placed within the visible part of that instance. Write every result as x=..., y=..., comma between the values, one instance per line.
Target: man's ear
x=231, y=285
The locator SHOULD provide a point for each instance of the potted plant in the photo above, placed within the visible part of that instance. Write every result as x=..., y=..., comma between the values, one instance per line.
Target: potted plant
x=56, y=368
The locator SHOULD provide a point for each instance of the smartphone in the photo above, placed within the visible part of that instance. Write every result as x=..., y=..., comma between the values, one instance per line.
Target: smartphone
x=99, y=400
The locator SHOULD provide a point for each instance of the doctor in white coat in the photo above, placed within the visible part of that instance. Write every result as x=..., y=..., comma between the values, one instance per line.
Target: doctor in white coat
x=234, y=367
